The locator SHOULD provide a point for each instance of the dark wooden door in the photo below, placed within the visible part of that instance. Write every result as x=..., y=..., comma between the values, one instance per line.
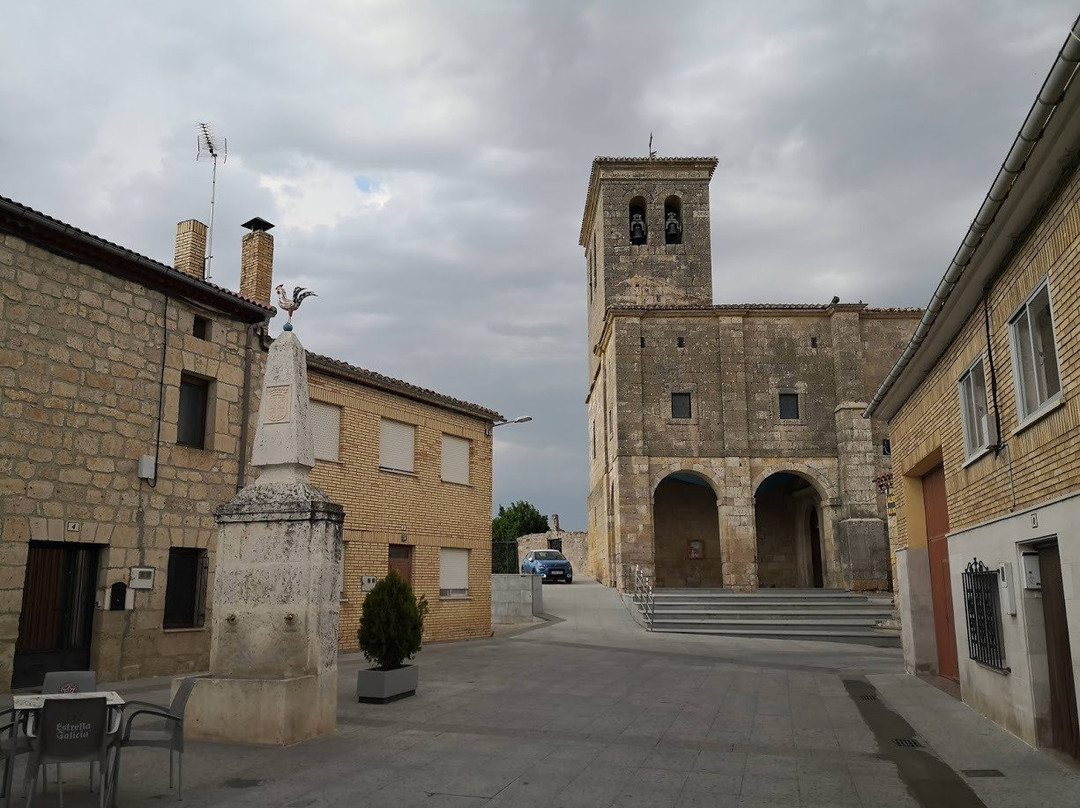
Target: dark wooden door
x=57, y=611
x=401, y=560
x=1064, y=725
x=937, y=545
x=815, y=550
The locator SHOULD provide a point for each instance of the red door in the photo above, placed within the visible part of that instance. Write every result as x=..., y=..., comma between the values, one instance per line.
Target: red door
x=937, y=545
x=401, y=560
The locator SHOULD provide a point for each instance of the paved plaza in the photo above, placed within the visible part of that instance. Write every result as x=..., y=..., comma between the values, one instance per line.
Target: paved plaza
x=587, y=709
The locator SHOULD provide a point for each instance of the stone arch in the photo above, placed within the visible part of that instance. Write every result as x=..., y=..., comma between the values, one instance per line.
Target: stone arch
x=825, y=486
x=791, y=530
x=686, y=531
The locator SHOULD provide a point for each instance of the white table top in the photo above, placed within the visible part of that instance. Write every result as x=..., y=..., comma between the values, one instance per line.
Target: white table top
x=37, y=700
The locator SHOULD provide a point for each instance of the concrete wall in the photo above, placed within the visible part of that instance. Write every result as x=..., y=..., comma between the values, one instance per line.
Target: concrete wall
x=516, y=598
x=80, y=367
x=381, y=506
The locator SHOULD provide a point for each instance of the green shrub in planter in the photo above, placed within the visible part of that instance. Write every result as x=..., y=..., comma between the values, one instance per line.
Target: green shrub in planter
x=391, y=623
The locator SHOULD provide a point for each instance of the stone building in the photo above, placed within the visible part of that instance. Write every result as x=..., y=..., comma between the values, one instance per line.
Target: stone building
x=984, y=418
x=127, y=393
x=727, y=443
x=125, y=388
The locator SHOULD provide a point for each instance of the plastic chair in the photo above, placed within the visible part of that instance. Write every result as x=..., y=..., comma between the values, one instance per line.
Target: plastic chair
x=168, y=733
x=69, y=682
x=70, y=730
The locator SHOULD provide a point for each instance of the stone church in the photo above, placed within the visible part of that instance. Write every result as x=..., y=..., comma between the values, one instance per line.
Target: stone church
x=727, y=443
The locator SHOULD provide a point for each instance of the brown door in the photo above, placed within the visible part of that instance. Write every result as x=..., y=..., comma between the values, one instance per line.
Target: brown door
x=401, y=560
x=1063, y=720
x=815, y=550
x=57, y=616
x=937, y=546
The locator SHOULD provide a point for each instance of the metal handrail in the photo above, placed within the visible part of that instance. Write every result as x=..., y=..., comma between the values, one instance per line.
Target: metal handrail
x=641, y=592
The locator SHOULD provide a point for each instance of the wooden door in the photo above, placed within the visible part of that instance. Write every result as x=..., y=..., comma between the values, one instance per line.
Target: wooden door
x=401, y=560
x=936, y=511
x=816, y=572
x=56, y=622
x=1064, y=725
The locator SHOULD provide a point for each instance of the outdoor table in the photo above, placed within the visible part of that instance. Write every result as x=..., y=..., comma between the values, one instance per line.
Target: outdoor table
x=36, y=701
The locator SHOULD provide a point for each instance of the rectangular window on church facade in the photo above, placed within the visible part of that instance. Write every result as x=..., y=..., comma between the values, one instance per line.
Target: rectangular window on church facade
x=681, y=406
x=789, y=406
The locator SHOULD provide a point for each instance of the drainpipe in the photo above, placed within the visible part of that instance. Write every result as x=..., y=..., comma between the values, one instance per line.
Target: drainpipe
x=1047, y=101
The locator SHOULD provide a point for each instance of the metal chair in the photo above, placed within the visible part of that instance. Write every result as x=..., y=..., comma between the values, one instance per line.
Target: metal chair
x=70, y=730
x=13, y=742
x=69, y=682
x=168, y=733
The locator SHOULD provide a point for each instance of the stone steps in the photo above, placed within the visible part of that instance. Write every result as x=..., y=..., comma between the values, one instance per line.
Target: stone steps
x=789, y=613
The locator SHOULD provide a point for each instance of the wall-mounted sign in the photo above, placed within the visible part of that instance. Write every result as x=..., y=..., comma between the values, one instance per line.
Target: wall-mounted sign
x=695, y=549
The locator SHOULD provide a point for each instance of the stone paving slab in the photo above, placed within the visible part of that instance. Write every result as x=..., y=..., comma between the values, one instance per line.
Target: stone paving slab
x=590, y=710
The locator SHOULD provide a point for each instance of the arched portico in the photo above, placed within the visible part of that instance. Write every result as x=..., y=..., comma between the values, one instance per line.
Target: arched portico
x=790, y=531
x=686, y=532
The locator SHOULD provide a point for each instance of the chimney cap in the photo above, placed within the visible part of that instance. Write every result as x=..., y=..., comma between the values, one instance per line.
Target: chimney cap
x=257, y=224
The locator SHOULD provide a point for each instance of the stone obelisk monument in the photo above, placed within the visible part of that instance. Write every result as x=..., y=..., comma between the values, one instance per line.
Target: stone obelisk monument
x=273, y=653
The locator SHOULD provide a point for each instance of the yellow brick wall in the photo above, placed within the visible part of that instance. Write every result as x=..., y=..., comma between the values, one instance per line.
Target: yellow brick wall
x=434, y=513
x=1042, y=460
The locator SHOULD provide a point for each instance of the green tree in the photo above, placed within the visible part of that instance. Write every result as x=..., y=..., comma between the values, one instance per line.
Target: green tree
x=391, y=622
x=519, y=519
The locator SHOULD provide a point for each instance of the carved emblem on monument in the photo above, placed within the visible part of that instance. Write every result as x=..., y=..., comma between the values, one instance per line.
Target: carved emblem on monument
x=277, y=404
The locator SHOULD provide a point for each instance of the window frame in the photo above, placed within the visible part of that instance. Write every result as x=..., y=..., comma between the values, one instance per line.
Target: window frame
x=382, y=453
x=453, y=592
x=468, y=458
x=200, y=572
x=689, y=405
x=966, y=392
x=780, y=396
x=193, y=381
x=1017, y=344
x=313, y=406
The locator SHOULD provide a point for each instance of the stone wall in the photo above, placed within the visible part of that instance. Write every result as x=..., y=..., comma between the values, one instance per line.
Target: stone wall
x=575, y=546
x=80, y=384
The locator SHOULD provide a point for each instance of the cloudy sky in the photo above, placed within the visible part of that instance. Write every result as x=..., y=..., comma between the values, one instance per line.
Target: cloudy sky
x=426, y=162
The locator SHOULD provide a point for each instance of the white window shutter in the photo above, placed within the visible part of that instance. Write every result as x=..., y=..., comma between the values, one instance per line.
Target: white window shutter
x=398, y=446
x=325, y=429
x=453, y=572
x=455, y=459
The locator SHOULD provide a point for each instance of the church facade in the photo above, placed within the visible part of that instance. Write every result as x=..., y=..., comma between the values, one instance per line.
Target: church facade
x=727, y=442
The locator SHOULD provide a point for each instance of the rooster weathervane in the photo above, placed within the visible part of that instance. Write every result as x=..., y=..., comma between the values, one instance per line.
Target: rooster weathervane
x=292, y=304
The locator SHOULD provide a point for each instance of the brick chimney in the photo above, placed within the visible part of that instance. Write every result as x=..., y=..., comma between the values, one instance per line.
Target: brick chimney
x=257, y=261
x=191, y=248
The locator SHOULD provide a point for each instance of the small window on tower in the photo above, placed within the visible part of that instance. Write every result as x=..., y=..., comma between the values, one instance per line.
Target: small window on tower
x=680, y=405
x=673, y=220
x=200, y=327
x=639, y=233
x=681, y=342
x=789, y=406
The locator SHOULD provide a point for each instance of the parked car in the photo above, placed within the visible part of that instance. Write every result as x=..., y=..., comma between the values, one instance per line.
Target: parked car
x=550, y=563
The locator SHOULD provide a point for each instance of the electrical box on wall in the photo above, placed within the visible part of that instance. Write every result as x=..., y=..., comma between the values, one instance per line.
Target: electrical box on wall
x=1008, y=588
x=1029, y=560
x=141, y=578
x=367, y=582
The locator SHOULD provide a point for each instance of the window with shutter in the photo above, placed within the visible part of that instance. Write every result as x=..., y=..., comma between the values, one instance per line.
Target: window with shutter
x=973, y=410
x=397, y=447
x=455, y=459
x=453, y=573
x=325, y=430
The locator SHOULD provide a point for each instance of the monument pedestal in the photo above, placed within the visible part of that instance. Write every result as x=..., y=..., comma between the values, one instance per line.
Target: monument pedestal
x=273, y=650
x=265, y=711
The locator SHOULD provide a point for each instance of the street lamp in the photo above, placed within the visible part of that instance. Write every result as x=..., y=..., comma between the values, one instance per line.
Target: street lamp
x=521, y=419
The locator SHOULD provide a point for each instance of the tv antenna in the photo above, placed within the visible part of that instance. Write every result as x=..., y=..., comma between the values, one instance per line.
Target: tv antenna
x=212, y=147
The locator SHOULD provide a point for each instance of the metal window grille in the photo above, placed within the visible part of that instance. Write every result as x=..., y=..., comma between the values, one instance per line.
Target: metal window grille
x=982, y=609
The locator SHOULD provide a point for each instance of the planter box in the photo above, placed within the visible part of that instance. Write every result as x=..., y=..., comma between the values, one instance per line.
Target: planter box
x=380, y=687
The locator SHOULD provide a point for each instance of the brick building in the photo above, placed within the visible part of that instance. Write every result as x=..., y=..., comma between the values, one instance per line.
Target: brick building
x=727, y=442
x=128, y=392
x=985, y=425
